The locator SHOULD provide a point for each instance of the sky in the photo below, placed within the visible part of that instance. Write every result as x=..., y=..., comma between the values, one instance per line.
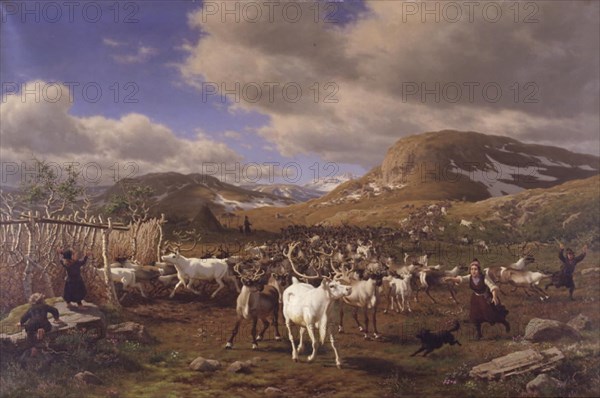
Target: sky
x=260, y=91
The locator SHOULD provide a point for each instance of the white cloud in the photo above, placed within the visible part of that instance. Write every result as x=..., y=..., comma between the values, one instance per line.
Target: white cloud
x=372, y=61
x=112, y=43
x=49, y=132
x=142, y=54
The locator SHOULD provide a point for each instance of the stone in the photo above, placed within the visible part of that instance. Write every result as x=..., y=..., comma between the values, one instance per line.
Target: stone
x=539, y=330
x=580, y=322
x=130, y=331
x=545, y=386
x=239, y=367
x=274, y=392
x=205, y=365
x=587, y=271
x=87, y=377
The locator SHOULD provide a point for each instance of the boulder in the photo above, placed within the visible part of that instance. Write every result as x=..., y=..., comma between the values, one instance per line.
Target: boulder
x=580, y=322
x=130, y=331
x=205, y=365
x=88, y=378
x=539, y=330
x=240, y=367
x=545, y=386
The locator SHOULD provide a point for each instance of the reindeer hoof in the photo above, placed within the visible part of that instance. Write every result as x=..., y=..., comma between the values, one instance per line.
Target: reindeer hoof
x=278, y=338
x=340, y=329
x=258, y=338
x=254, y=346
x=361, y=329
x=228, y=346
x=385, y=311
x=338, y=365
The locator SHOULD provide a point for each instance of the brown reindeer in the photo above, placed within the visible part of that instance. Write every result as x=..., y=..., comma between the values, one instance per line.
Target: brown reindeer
x=256, y=300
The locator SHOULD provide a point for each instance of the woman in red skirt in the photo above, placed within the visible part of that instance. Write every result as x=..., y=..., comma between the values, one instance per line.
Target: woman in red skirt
x=485, y=304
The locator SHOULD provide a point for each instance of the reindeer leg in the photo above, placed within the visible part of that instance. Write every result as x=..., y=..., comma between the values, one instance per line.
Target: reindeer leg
x=427, y=292
x=234, y=332
x=341, y=325
x=375, y=331
x=311, y=334
x=301, y=340
x=355, y=316
x=253, y=332
x=181, y=282
x=338, y=361
x=452, y=293
x=276, y=322
x=263, y=330
x=221, y=286
x=291, y=336
x=366, y=315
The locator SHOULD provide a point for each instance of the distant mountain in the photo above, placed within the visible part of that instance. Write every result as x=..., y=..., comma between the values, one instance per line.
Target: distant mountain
x=297, y=193
x=468, y=166
x=182, y=198
x=438, y=166
x=328, y=184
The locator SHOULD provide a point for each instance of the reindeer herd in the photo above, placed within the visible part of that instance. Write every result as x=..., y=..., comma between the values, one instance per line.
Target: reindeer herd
x=303, y=273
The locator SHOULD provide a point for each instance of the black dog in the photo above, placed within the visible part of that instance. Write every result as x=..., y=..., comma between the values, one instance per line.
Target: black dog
x=431, y=341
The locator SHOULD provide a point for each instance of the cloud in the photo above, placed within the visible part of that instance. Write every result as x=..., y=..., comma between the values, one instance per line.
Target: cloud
x=142, y=54
x=49, y=132
x=533, y=81
x=112, y=43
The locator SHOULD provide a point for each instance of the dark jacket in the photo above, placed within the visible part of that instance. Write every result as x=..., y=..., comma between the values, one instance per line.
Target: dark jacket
x=37, y=317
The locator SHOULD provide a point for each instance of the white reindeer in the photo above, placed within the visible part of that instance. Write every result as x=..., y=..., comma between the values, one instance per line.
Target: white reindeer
x=309, y=307
x=192, y=269
x=126, y=276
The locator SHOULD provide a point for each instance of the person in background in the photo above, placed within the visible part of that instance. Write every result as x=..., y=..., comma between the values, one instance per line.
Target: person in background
x=564, y=277
x=247, y=224
x=75, y=290
x=485, y=303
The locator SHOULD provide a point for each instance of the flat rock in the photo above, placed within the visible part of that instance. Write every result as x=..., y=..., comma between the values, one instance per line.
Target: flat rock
x=89, y=318
x=517, y=363
x=130, y=331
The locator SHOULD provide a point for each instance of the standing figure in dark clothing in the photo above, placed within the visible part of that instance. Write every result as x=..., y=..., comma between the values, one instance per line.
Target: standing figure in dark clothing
x=75, y=290
x=35, y=320
x=564, y=277
x=247, y=225
x=485, y=303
